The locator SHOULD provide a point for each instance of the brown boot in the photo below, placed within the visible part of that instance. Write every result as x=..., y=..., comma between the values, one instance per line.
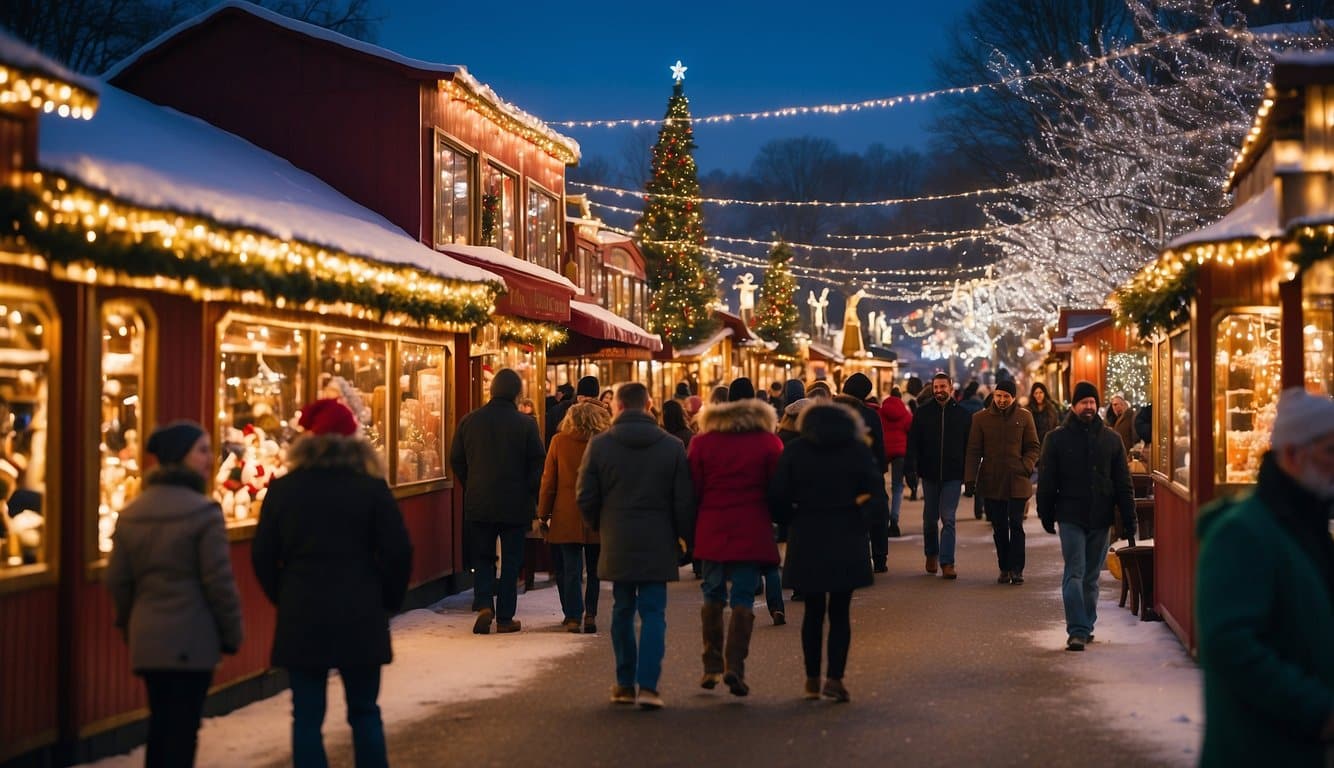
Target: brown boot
x=948, y=572
x=737, y=648
x=711, y=619
x=932, y=563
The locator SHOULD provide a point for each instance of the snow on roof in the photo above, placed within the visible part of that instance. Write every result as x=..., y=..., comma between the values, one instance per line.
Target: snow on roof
x=489, y=255
x=608, y=237
x=1305, y=58
x=157, y=157
x=1255, y=219
x=599, y=312
x=705, y=345
x=17, y=53
x=423, y=68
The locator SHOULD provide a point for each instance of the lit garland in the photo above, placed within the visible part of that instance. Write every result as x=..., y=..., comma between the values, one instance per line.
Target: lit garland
x=45, y=93
x=511, y=119
x=724, y=201
x=88, y=235
x=528, y=332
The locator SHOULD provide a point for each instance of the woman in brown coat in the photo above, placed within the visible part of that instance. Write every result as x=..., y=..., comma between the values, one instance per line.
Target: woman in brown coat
x=1002, y=451
x=572, y=543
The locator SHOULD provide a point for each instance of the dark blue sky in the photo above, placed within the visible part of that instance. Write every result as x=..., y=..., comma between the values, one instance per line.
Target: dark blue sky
x=596, y=59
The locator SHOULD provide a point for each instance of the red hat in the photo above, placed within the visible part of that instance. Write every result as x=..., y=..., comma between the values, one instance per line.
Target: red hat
x=328, y=416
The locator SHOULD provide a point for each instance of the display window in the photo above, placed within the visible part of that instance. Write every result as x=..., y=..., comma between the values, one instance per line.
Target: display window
x=423, y=412
x=543, y=245
x=1247, y=382
x=1182, y=387
x=27, y=336
x=500, y=209
x=453, y=193
x=122, y=430
x=354, y=370
x=1162, y=412
x=1318, y=328
x=490, y=354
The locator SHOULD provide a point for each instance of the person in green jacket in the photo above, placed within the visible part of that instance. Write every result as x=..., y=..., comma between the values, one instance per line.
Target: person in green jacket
x=1265, y=601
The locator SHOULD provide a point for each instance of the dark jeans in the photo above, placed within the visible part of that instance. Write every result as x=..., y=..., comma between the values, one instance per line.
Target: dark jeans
x=773, y=587
x=879, y=509
x=577, y=597
x=175, y=706
x=840, y=632
x=896, y=489
x=361, y=686
x=1007, y=529
x=483, y=535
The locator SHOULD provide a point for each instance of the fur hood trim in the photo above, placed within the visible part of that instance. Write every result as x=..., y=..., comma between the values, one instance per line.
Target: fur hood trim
x=749, y=415
x=332, y=451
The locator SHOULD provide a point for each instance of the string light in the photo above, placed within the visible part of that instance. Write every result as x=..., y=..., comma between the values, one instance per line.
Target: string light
x=722, y=201
x=510, y=118
x=45, y=93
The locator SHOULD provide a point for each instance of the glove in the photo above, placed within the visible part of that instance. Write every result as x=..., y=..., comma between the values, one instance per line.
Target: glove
x=969, y=489
x=544, y=526
x=1049, y=526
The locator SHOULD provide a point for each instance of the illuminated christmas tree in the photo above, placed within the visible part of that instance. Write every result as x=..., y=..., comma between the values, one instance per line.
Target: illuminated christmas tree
x=776, y=317
x=684, y=287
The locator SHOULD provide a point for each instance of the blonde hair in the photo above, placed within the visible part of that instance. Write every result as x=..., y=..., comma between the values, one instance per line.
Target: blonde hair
x=589, y=418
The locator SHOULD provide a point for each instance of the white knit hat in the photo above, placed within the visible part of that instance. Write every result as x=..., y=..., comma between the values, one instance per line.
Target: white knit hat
x=1301, y=418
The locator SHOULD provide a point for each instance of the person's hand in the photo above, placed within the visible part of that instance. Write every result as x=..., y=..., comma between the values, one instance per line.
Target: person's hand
x=544, y=525
x=1049, y=526
x=969, y=488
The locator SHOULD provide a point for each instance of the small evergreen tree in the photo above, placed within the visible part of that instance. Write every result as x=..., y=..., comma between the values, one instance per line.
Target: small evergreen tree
x=776, y=317
x=684, y=286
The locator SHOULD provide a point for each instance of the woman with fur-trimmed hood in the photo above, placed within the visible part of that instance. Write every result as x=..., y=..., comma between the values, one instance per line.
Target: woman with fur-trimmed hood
x=731, y=461
x=332, y=553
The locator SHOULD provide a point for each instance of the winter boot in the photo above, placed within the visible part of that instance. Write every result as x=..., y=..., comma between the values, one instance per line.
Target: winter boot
x=932, y=563
x=737, y=648
x=711, y=618
x=812, y=688
x=482, y=626
x=833, y=689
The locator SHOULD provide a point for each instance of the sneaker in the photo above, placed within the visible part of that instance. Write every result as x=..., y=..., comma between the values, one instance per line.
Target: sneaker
x=1004, y=577
x=833, y=689
x=483, y=624
x=573, y=626
x=947, y=572
x=1075, y=643
x=894, y=531
x=932, y=563
x=590, y=624
x=710, y=680
x=505, y=627
x=649, y=699
x=622, y=694
x=1017, y=577
x=779, y=617
x=812, y=688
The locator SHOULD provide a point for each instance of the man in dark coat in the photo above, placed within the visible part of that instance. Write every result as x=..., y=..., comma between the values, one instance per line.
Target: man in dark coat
x=1002, y=450
x=635, y=491
x=555, y=411
x=588, y=389
x=937, y=441
x=857, y=388
x=1085, y=478
x=497, y=457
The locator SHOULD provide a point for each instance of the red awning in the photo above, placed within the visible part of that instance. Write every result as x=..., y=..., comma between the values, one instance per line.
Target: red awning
x=529, y=293
x=595, y=322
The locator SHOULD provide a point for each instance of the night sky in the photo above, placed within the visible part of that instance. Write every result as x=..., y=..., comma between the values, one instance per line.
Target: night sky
x=596, y=59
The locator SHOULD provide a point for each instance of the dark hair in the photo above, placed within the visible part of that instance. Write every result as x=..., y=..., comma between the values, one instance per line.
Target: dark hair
x=632, y=396
x=673, y=416
x=894, y=392
x=941, y=375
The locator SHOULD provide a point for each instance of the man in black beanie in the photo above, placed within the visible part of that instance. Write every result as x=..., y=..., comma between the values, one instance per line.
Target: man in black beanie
x=497, y=457
x=1003, y=442
x=856, y=388
x=587, y=390
x=1083, y=495
x=740, y=389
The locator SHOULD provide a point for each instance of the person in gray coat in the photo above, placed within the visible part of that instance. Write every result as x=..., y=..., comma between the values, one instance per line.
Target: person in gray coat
x=634, y=489
x=170, y=578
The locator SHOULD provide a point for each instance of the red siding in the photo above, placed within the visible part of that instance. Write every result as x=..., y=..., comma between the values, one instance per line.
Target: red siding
x=28, y=681
x=1174, y=550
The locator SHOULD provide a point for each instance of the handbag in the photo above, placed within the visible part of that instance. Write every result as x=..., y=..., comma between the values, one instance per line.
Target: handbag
x=1114, y=564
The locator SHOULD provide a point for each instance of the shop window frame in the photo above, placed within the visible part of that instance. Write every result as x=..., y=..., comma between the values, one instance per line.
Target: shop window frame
x=1218, y=432
x=551, y=257
x=473, y=218
x=491, y=167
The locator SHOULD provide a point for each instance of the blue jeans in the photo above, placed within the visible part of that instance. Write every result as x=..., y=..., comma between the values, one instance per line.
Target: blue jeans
x=575, y=599
x=639, y=662
x=503, y=599
x=361, y=684
x=744, y=578
x=940, y=503
x=895, y=489
x=1084, y=550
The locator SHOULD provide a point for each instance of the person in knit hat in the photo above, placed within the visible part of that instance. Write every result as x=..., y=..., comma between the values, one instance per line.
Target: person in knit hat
x=497, y=456
x=1265, y=600
x=172, y=588
x=740, y=389
x=856, y=388
x=1085, y=479
x=588, y=390
x=1002, y=450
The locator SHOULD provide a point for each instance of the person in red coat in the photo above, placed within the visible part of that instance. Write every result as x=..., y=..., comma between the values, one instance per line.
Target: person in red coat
x=896, y=420
x=731, y=462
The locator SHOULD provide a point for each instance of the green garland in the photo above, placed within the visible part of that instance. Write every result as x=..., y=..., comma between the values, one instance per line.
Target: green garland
x=530, y=332
x=1312, y=246
x=120, y=253
x=1152, y=309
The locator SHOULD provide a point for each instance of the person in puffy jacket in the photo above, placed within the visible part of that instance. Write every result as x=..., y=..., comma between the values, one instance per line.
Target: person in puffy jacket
x=896, y=420
x=171, y=584
x=937, y=441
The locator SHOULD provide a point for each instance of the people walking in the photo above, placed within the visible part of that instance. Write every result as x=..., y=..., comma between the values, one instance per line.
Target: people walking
x=895, y=420
x=937, y=442
x=675, y=422
x=1085, y=480
x=332, y=554
x=634, y=490
x=573, y=544
x=1265, y=601
x=856, y=388
x=172, y=588
x=823, y=482
x=1046, y=412
x=497, y=457
x=587, y=390
x=1123, y=421
x=1002, y=450
x=731, y=461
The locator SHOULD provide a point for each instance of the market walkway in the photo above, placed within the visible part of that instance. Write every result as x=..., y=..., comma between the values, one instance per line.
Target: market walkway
x=941, y=673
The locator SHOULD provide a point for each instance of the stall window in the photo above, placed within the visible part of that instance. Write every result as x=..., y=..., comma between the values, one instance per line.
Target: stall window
x=423, y=371
x=121, y=428
x=453, y=194
x=261, y=384
x=500, y=207
x=1162, y=409
x=1181, y=407
x=354, y=370
x=26, y=336
x=1246, y=387
x=543, y=229
x=1318, y=344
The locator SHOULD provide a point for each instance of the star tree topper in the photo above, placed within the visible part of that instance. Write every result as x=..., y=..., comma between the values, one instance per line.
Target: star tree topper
x=678, y=71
